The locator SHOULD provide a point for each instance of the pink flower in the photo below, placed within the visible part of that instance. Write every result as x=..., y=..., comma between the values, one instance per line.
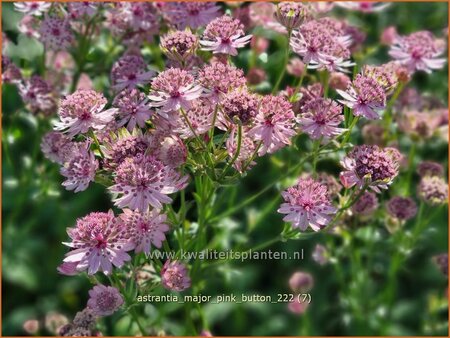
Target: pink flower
x=433, y=190
x=141, y=16
x=320, y=254
x=274, y=124
x=83, y=8
x=83, y=110
x=321, y=118
x=29, y=25
x=98, y=241
x=263, y=14
x=301, y=282
x=145, y=229
x=219, y=78
x=389, y=36
x=68, y=269
x=172, y=151
x=363, y=6
x=55, y=33
x=224, y=35
x=130, y=71
x=365, y=96
x=80, y=169
x=132, y=108
x=292, y=14
x=174, y=276
x=190, y=14
x=200, y=117
x=179, y=45
x=174, y=89
x=241, y=105
x=307, y=203
x=104, y=300
x=144, y=181
x=37, y=94
x=370, y=166
x=35, y=8
x=418, y=51
x=366, y=204
x=297, y=306
x=55, y=146
x=402, y=208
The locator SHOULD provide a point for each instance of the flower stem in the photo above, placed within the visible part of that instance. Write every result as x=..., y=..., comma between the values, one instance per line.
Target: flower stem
x=283, y=70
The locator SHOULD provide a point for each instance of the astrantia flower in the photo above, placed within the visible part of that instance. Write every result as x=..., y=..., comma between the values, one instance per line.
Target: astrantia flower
x=179, y=45
x=339, y=81
x=320, y=254
x=402, y=208
x=37, y=94
x=420, y=124
x=274, y=124
x=321, y=118
x=247, y=150
x=418, y=51
x=363, y=6
x=190, y=14
x=307, y=203
x=130, y=71
x=104, y=300
x=263, y=14
x=141, y=16
x=83, y=8
x=200, y=117
x=80, y=169
x=322, y=46
x=55, y=146
x=55, y=33
x=292, y=14
x=241, y=105
x=132, y=108
x=433, y=190
x=366, y=204
x=29, y=25
x=224, y=35
x=365, y=96
x=10, y=72
x=83, y=110
x=174, y=276
x=174, y=89
x=384, y=75
x=219, y=78
x=122, y=146
x=429, y=168
x=370, y=165
x=98, y=241
x=143, y=180
x=301, y=282
x=145, y=229
x=36, y=8
x=172, y=151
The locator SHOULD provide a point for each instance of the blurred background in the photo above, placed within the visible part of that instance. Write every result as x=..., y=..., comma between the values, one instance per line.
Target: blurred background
x=37, y=211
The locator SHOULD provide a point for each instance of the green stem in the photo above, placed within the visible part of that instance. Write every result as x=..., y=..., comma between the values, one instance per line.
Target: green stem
x=236, y=155
x=283, y=70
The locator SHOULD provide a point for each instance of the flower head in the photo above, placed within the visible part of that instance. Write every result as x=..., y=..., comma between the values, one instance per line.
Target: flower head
x=320, y=254
x=366, y=204
x=10, y=72
x=241, y=105
x=36, y=8
x=55, y=33
x=190, y=14
x=418, y=51
x=174, y=276
x=83, y=110
x=402, y=208
x=219, y=78
x=144, y=181
x=273, y=124
x=321, y=118
x=37, y=94
x=55, y=146
x=145, y=229
x=130, y=71
x=104, y=300
x=141, y=16
x=132, y=108
x=292, y=14
x=301, y=282
x=433, y=190
x=370, y=165
x=172, y=151
x=200, y=117
x=429, y=168
x=365, y=96
x=174, y=89
x=307, y=203
x=98, y=242
x=80, y=169
x=179, y=45
x=83, y=9
x=224, y=35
